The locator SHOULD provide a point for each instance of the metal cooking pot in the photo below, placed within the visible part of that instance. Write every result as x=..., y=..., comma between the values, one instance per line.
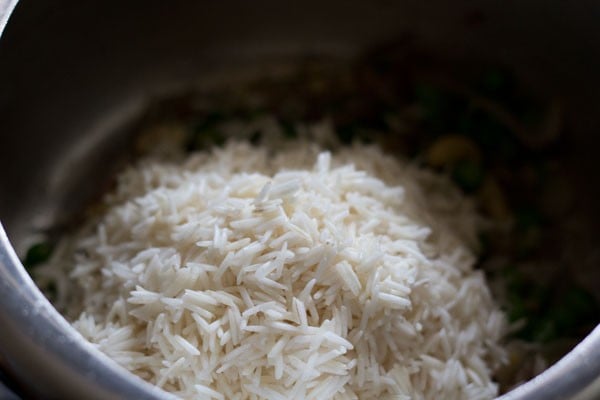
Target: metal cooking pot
x=74, y=73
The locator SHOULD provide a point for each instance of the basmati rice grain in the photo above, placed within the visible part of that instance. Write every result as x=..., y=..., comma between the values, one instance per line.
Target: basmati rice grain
x=234, y=274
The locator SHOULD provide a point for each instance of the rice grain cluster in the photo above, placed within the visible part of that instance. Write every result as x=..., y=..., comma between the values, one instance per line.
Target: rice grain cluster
x=242, y=274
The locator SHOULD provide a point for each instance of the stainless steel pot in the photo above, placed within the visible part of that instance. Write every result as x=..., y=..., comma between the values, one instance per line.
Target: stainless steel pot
x=73, y=73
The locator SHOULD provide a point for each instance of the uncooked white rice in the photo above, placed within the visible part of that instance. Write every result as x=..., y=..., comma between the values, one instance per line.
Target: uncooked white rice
x=243, y=274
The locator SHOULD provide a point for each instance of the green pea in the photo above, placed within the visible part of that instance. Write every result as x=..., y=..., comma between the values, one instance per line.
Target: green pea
x=496, y=140
x=441, y=110
x=577, y=307
x=485, y=244
x=212, y=119
x=468, y=175
x=347, y=133
x=256, y=137
x=497, y=83
x=544, y=330
x=528, y=217
x=288, y=128
x=37, y=254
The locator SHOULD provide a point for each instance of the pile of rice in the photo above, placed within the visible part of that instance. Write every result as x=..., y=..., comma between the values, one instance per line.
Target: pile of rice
x=241, y=273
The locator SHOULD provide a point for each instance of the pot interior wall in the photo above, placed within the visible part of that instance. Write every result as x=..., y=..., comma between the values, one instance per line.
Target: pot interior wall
x=74, y=74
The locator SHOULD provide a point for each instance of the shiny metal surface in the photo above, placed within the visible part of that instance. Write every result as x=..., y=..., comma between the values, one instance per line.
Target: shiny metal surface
x=570, y=378
x=73, y=74
x=6, y=8
x=6, y=393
